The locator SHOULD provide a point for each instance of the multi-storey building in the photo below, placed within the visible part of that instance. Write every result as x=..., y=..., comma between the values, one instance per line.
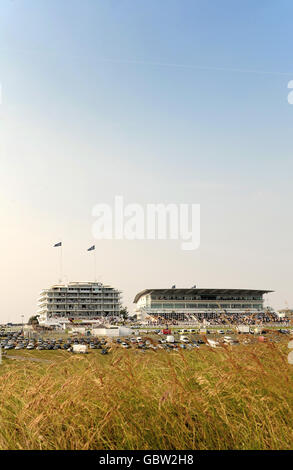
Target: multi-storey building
x=78, y=300
x=193, y=303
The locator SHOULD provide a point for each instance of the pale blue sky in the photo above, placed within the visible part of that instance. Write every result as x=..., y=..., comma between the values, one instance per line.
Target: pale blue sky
x=159, y=101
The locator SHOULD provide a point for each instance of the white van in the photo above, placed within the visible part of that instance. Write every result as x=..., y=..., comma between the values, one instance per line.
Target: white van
x=79, y=348
x=170, y=339
x=184, y=339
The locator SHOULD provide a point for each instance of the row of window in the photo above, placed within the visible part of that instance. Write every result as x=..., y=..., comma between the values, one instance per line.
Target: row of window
x=82, y=306
x=91, y=294
x=81, y=289
x=206, y=297
x=88, y=314
x=95, y=301
x=194, y=305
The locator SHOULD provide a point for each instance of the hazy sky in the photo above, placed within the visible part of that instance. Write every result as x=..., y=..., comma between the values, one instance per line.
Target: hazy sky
x=158, y=101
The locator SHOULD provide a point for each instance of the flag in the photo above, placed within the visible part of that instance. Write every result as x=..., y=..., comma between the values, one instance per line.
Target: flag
x=58, y=244
x=91, y=248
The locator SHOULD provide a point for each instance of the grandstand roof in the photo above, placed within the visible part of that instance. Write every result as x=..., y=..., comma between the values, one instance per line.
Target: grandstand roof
x=197, y=291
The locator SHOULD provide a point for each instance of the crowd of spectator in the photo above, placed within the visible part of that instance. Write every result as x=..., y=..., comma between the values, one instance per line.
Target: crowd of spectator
x=222, y=318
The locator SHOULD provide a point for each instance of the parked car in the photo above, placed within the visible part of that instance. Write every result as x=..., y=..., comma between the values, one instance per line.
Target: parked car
x=228, y=340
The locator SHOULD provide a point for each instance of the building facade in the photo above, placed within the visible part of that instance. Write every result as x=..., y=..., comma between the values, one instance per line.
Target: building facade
x=196, y=304
x=78, y=300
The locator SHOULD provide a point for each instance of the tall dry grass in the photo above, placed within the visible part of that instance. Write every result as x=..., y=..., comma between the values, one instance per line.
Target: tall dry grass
x=240, y=398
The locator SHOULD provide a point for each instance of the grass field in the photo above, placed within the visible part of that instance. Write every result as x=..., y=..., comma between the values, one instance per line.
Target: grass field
x=232, y=398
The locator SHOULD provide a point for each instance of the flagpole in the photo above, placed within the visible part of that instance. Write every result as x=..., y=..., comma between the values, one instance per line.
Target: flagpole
x=60, y=244
x=93, y=248
x=95, y=266
x=61, y=264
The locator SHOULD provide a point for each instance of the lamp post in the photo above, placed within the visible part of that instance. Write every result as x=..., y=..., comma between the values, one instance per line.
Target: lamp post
x=22, y=316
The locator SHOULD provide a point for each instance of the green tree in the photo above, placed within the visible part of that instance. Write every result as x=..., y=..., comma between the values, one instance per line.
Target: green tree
x=124, y=313
x=33, y=320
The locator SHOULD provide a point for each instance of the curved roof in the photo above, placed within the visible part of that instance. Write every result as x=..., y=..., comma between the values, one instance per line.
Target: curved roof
x=203, y=291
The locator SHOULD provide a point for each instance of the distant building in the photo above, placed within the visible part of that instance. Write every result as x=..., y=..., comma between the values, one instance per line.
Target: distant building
x=192, y=303
x=78, y=301
x=286, y=312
